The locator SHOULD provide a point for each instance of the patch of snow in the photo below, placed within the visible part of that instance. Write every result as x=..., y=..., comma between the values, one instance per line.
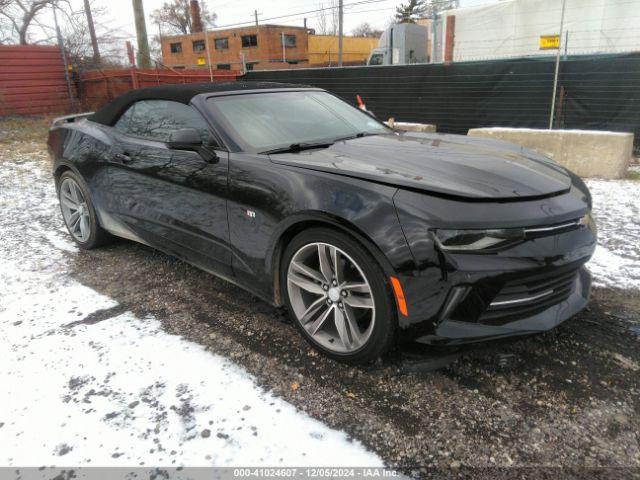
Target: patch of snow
x=616, y=208
x=611, y=270
x=86, y=382
x=58, y=241
x=548, y=132
x=121, y=391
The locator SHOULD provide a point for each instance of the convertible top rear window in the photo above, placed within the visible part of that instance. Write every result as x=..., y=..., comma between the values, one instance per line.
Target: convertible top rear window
x=156, y=119
x=265, y=121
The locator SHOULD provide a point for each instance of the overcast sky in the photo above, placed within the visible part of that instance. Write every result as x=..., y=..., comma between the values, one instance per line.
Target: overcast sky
x=230, y=12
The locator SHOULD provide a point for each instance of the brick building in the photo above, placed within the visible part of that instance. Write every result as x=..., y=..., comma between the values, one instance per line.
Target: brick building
x=261, y=46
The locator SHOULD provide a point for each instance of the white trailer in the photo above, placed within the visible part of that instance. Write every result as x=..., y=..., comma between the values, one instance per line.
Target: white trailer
x=401, y=44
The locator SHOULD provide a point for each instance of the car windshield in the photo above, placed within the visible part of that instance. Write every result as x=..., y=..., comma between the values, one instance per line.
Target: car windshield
x=262, y=122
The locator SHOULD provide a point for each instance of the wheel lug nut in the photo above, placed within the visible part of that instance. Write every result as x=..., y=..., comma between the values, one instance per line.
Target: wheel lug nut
x=325, y=287
x=335, y=283
x=344, y=293
x=340, y=305
x=329, y=301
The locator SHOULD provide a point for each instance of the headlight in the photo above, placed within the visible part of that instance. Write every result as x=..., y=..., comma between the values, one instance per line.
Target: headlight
x=478, y=240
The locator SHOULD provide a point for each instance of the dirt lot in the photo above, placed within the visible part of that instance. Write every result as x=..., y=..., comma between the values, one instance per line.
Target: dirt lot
x=566, y=398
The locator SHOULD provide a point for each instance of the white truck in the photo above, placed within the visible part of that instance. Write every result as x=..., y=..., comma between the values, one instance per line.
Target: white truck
x=401, y=44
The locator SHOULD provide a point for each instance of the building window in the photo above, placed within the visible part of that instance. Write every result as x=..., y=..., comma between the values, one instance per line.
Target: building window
x=289, y=40
x=198, y=46
x=221, y=43
x=249, y=41
x=250, y=65
x=176, y=47
x=223, y=66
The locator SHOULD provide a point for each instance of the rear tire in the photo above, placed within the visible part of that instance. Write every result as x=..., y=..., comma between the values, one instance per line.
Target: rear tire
x=78, y=212
x=337, y=295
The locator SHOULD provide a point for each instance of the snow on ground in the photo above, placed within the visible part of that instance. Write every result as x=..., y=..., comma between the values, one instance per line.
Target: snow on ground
x=616, y=207
x=87, y=383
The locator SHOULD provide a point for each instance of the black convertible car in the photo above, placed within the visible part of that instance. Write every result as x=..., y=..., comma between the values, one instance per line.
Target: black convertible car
x=366, y=234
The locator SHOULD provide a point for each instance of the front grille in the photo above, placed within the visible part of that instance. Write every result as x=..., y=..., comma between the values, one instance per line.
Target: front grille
x=514, y=298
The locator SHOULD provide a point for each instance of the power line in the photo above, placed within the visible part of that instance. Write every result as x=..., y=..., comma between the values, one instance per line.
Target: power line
x=298, y=14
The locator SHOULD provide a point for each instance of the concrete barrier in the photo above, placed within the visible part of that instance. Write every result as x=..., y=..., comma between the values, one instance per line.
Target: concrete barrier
x=412, y=127
x=587, y=153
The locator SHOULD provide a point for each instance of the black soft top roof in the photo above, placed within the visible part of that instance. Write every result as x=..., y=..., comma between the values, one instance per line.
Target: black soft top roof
x=183, y=93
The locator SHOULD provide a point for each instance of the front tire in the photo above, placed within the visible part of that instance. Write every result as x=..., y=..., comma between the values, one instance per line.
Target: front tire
x=79, y=213
x=337, y=295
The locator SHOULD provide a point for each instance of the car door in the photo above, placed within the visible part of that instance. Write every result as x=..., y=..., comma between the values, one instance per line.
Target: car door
x=174, y=200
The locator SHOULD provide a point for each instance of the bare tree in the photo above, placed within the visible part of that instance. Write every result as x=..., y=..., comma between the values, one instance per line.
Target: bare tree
x=6, y=27
x=321, y=22
x=20, y=15
x=328, y=18
x=155, y=47
x=175, y=16
x=77, y=37
x=335, y=17
x=14, y=28
x=366, y=30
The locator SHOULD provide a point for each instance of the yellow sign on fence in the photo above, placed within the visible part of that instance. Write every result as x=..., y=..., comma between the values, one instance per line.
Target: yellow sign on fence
x=549, y=42
x=201, y=61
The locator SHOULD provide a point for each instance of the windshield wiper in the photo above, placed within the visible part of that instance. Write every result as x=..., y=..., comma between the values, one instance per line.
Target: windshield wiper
x=298, y=147
x=355, y=135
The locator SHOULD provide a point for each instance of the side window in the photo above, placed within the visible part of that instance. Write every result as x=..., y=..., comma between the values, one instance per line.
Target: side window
x=376, y=59
x=156, y=119
x=123, y=122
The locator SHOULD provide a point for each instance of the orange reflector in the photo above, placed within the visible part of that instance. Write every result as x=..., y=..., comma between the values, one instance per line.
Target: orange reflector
x=397, y=289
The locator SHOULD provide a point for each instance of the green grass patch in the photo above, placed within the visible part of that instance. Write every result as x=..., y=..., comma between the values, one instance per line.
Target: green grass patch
x=23, y=138
x=24, y=129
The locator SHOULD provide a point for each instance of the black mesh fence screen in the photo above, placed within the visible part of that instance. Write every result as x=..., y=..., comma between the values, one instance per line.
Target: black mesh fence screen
x=596, y=92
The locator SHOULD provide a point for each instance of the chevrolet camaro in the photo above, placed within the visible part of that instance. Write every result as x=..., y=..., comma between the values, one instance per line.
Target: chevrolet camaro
x=367, y=235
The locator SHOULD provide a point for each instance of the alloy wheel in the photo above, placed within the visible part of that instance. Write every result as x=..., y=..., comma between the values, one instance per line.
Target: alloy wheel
x=331, y=297
x=75, y=210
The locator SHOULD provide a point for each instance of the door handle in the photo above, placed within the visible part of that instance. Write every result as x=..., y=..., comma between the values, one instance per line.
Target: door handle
x=122, y=157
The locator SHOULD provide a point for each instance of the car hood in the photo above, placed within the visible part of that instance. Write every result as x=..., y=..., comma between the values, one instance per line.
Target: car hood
x=452, y=165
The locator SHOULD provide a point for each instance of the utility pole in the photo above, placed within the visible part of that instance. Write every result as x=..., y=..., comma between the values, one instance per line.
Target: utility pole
x=208, y=48
x=132, y=65
x=92, y=33
x=284, y=54
x=434, y=41
x=244, y=63
x=255, y=15
x=144, y=58
x=340, y=22
x=555, y=77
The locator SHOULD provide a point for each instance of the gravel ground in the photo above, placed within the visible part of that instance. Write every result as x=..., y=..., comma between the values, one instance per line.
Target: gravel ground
x=566, y=398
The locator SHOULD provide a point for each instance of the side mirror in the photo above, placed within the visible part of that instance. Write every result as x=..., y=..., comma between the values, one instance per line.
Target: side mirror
x=185, y=139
